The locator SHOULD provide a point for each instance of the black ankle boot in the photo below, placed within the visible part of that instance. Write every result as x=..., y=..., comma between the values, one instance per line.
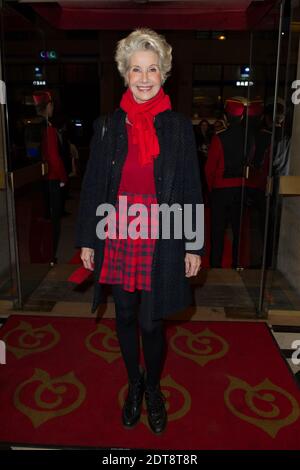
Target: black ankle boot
x=157, y=415
x=133, y=404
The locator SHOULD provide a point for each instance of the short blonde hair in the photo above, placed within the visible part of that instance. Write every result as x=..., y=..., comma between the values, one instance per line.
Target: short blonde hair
x=144, y=39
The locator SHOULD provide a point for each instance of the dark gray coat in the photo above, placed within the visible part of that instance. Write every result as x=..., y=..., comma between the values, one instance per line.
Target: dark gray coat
x=177, y=180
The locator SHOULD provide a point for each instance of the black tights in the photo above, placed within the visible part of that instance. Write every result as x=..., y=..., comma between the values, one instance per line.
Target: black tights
x=152, y=331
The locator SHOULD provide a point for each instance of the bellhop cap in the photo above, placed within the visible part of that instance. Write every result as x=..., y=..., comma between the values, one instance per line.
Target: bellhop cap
x=255, y=108
x=42, y=97
x=234, y=107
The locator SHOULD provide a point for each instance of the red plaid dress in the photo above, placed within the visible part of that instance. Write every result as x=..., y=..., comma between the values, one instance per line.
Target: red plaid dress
x=127, y=260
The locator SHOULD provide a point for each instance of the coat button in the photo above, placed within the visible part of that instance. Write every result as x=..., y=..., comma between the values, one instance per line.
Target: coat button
x=113, y=162
x=159, y=178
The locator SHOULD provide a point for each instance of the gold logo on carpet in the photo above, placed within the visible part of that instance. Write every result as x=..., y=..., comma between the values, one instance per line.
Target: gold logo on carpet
x=269, y=407
x=25, y=340
x=203, y=347
x=47, y=396
x=109, y=352
x=178, y=399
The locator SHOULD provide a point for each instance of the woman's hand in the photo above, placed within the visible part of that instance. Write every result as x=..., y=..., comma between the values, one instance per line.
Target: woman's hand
x=87, y=257
x=192, y=264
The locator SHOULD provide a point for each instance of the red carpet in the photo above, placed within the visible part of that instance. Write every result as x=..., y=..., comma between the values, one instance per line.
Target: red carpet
x=226, y=385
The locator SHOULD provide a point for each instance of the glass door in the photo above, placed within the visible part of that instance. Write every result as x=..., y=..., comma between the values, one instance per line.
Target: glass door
x=265, y=152
x=6, y=280
x=27, y=243
x=280, y=290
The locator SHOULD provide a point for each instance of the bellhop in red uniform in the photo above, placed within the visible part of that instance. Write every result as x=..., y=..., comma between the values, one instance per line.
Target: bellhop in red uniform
x=224, y=174
x=50, y=149
x=56, y=176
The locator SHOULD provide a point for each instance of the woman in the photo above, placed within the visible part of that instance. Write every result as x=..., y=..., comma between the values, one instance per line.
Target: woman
x=146, y=153
x=203, y=139
x=219, y=126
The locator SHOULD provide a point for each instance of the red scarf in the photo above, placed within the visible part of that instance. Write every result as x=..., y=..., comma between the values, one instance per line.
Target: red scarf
x=141, y=116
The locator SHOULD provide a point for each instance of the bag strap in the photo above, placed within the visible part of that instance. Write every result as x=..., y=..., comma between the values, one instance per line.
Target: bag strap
x=104, y=126
x=106, y=122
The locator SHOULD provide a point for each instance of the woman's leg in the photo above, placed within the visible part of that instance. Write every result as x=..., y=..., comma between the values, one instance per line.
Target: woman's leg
x=126, y=320
x=126, y=326
x=153, y=346
x=153, y=340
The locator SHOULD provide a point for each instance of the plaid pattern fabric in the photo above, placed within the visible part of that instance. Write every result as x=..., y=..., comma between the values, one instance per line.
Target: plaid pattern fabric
x=128, y=261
